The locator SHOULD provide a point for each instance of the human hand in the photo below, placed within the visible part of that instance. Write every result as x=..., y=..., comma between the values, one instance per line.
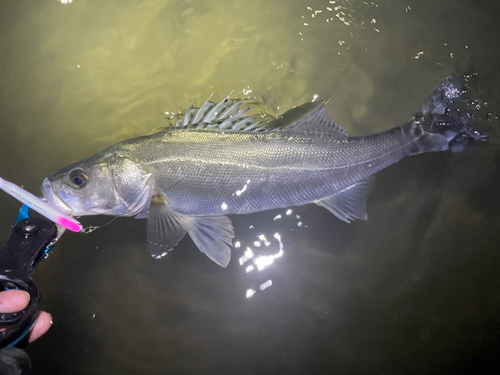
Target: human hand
x=17, y=300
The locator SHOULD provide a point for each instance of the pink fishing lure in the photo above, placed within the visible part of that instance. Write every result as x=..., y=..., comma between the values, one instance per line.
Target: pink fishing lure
x=40, y=206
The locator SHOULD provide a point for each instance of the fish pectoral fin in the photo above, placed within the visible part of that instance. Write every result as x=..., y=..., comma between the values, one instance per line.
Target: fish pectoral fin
x=213, y=235
x=143, y=214
x=144, y=211
x=166, y=227
x=350, y=203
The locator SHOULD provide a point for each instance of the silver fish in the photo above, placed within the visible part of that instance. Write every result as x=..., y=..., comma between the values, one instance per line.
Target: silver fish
x=217, y=161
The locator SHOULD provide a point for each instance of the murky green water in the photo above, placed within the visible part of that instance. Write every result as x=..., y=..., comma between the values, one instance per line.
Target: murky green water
x=413, y=290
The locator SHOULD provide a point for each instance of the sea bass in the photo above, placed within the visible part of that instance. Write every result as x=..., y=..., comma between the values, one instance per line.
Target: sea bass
x=217, y=160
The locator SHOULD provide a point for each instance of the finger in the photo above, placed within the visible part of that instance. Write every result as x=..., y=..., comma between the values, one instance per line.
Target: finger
x=41, y=326
x=13, y=300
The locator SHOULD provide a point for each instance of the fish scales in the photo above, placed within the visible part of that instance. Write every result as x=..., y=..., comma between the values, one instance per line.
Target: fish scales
x=199, y=171
x=218, y=160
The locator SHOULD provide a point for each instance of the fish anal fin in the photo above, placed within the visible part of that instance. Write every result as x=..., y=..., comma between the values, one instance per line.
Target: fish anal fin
x=349, y=203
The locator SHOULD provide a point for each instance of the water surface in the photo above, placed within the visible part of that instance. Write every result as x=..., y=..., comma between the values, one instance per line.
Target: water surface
x=415, y=289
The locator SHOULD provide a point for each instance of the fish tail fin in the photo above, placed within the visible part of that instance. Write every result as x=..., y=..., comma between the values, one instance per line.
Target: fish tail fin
x=440, y=133
x=442, y=124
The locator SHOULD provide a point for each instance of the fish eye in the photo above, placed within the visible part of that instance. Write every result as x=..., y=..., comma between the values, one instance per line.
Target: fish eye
x=78, y=178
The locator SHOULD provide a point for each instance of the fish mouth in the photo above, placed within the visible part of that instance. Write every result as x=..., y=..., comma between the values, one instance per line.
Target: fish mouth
x=53, y=198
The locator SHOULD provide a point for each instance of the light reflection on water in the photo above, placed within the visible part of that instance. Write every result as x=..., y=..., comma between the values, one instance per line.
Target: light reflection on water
x=263, y=257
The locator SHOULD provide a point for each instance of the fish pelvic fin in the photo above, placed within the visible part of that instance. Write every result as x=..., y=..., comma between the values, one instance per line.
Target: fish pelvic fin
x=349, y=203
x=213, y=235
x=166, y=227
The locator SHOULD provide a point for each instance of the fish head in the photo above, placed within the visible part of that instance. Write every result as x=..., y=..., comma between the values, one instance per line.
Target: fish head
x=104, y=184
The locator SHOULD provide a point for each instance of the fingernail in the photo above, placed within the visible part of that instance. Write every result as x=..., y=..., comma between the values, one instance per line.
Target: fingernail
x=27, y=294
x=51, y=319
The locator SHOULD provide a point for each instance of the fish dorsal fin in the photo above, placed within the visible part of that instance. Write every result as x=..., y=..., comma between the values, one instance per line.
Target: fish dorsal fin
x=225, y=115
x=308, y=118
x=350, y=203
